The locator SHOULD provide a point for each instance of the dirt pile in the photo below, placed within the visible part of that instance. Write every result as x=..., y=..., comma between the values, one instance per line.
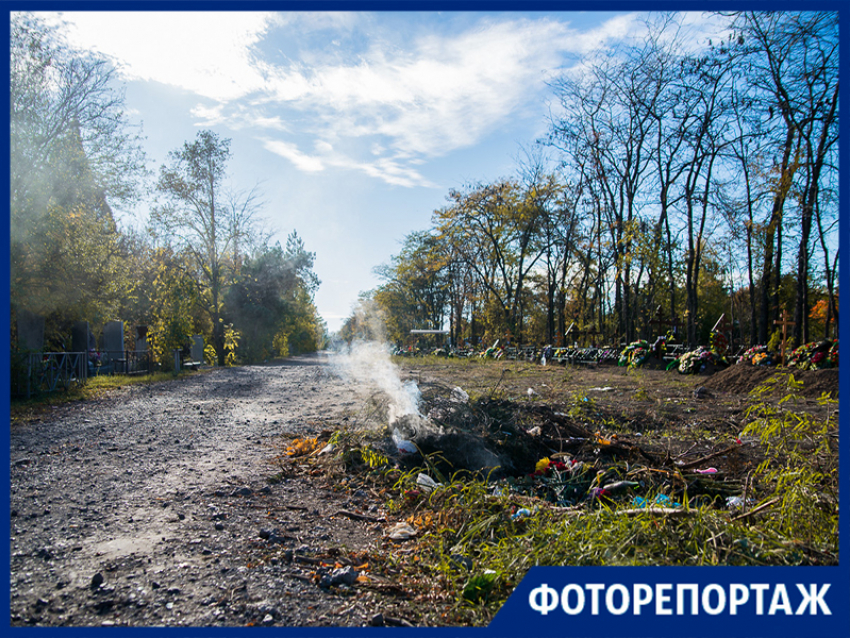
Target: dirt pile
x=742, y=379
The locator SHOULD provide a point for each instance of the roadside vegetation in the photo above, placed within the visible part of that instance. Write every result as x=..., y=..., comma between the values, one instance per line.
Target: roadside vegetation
x=463, y=539
x=23, y=410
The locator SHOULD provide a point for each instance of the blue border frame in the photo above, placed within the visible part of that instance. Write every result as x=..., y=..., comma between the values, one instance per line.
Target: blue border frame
x=517, y=618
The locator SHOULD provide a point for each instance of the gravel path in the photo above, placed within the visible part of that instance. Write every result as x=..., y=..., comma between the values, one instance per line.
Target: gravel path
x=152, y=507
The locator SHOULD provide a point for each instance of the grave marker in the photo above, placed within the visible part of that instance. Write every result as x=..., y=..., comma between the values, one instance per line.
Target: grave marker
x=82, y=339
x=142, y=338
x=198, y=348
x=784, y=323
x=113, y=341
x=30, y=331
x=659, y=320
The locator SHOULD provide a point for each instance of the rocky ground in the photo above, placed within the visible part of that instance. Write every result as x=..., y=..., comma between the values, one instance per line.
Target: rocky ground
x=153, y=506
x=163, y=504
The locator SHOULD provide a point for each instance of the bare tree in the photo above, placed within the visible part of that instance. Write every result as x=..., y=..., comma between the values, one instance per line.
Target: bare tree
x=793, y=63
x=200, y=217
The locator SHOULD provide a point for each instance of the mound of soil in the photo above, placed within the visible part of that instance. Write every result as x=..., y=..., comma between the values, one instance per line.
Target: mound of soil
x=742, y=379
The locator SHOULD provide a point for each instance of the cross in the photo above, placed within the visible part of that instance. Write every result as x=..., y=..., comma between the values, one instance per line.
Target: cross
x=720, y=328
x=722, y=324
x=576, y=334
x=658, y=321
x=784, y=323
x=590, y=332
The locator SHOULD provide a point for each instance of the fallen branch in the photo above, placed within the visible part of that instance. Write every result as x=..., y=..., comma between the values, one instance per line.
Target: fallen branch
x=686, y=452
x=306, y=560
x=292, y=507
x=756, y=510
x=360, y=517
x=671, y=511
x=699, y=461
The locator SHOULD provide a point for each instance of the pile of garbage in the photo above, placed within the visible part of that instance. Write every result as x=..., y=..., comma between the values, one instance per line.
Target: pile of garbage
x=566, y=481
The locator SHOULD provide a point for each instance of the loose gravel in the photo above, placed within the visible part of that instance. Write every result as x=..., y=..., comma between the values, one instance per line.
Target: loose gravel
x=153, y=506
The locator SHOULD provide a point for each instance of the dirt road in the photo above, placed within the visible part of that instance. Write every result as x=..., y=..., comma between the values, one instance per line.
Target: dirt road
x=152, y=506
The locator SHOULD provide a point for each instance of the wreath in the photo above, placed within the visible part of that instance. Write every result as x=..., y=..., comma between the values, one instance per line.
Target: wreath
x=635, y=354
x=719, y=343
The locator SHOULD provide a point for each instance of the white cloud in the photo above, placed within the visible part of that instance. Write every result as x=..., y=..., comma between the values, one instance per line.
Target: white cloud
x=439, y=95
x=290, y=151
x=616, y=28
x=390, y=171
x=210, y=115
x=381, y=108
x=208, y=53
x=274, y=123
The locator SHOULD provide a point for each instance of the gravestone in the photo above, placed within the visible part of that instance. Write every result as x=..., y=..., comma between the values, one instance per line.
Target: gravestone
x=142, y=338
x=198, y=348
x=82, y=339
x=30, y=331
x=113, y=341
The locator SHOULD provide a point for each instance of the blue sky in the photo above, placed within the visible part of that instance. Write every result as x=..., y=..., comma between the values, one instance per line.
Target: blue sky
x=353, y=125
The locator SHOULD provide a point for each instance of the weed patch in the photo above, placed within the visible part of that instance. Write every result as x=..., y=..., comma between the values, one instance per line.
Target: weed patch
x=600, y=500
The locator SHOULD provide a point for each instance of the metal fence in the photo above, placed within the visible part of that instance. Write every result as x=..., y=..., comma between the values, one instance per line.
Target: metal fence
x=36, y=373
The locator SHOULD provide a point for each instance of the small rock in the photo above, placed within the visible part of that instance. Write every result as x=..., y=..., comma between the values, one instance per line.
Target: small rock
x=268, y=619
x=219, y=526
x=377, y=620
x=702, y=393
x=458, y=395
x=44, y=553
x=96, y=580
x=341, y=576
x=461, y=561
x=242, y=491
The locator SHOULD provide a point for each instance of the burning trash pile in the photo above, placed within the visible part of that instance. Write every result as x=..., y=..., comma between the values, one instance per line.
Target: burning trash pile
x=526, y=449
x=471, y=490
